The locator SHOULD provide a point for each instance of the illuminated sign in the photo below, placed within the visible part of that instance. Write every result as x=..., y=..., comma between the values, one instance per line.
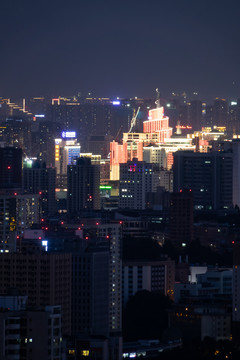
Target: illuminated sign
x=183, y=127
x=45, y=244
x=106, y=187
x=68, y=134
x=116, y=102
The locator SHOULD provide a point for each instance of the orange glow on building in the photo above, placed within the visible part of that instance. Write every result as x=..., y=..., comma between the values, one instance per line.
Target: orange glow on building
x=155, y=130
x=158, y=123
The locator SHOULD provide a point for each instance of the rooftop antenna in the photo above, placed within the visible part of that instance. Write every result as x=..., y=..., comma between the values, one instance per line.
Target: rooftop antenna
x=157, y=102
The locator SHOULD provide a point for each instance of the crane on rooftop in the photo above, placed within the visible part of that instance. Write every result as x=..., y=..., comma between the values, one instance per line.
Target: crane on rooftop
x=134, y=119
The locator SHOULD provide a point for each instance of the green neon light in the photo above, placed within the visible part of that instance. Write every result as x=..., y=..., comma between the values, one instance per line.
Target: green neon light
x=105, y=187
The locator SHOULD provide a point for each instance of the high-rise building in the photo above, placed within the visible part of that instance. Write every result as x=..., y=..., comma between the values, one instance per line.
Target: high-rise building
x=99, y=145
x=97, y=278
x=16, y=131
x=220, y=112
x=233, y=125
x=83, y=181
x=31, y=334
x=236, y=293
x=113, y=234
x=38, y=179
x=196, y=114
x=236, y=171
x=90, y=290
x=67, y=150
x=181, y=218
x=44, y=277
x=208, y=175
x=155, y=131
x=11, y=168
x=137, y=178
x=157, y=125
x=155, y=276
x=17, y=212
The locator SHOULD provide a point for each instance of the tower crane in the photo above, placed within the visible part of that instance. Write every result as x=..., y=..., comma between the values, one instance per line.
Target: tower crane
x=133, y=121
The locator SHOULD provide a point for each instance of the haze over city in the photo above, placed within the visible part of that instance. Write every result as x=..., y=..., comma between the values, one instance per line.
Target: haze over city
x=122, y=49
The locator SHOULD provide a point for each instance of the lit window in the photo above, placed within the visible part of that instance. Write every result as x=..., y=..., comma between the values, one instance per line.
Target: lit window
x=85, y=352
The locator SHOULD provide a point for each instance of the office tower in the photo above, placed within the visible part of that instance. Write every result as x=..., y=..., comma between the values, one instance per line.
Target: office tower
x=83, y=181
x=31, y=334
x=233, y=125
x=99, y=145
x=208, y=175
x=162, y=154
x=155, y=131
x=113, y=234
x=156, y=155
x=17, y=132
x=17, y=212
x=236, y=171
x=220, y=112
x=67, y=150
x=157, y=125
x=236, y=294
x=90, y=290
x=166, y=180
x=43, y=145
x=38, y=179
x=181, y=218
x=155, y=276
x=97, y=292
x=195, y=114
x=11, y=168
x=137, y=178
x=208, y=120
x=44, y=277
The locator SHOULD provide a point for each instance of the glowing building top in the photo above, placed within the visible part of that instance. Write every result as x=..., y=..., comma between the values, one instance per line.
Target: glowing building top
x=157, y=123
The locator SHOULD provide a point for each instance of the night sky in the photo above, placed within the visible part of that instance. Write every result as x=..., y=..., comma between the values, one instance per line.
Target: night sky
x=120, y=48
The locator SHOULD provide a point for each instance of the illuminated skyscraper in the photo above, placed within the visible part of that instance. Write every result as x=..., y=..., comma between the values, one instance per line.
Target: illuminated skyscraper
x=155, y=131
x=157, y=125
x=67, y=150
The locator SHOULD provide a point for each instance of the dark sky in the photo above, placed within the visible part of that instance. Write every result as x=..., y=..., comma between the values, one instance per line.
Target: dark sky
x=120, y=48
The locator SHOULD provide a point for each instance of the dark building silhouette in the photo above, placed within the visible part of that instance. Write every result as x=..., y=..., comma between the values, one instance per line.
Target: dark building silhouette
x=31, y=334
x=41, y=180
x=208, y=175
x=236, y=294
x=220, y=112
x=83, y=181
x=181, y=218
x=16, y=131
x=44, y=277
x=10, y=168
x=196, y=114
